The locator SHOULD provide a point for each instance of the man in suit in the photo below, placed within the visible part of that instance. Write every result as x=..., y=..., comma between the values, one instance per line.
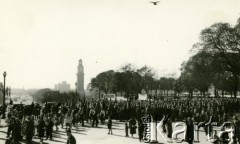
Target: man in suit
x=189, y=131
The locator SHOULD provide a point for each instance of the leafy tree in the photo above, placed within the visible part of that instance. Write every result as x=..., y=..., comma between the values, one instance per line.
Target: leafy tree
x=178, y=86
x=163, y=85
x=223, y=40
x=197, y=73
x=104, y=81
x=147, y=78
x=128, y=67
x=119, y=83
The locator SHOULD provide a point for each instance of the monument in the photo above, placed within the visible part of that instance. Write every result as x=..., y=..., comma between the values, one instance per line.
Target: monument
x=80, y=79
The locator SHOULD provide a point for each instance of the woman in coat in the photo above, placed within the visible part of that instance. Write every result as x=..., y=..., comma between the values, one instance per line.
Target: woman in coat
x=132, y=126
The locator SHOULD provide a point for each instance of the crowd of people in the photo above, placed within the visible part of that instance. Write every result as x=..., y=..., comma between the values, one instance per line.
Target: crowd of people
x=35, y=120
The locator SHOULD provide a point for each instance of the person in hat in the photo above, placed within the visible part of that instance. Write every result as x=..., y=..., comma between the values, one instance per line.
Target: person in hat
x=71, y=139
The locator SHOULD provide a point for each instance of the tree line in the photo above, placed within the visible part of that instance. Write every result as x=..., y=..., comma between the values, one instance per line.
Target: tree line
x=215, y=62
x=130, y=81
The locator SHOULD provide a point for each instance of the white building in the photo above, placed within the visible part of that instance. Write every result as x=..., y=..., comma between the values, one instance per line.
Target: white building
x=63, y=87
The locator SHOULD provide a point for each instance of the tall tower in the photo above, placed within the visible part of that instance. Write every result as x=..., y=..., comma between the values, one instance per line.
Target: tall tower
x=80, y=78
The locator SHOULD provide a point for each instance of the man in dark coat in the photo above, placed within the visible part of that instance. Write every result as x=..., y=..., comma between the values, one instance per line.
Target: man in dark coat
x=95, y=118
x=29, y=130
x=189, y=131
x=140, y=130
x=71, y=139
x=169, y=127
x=16, y=133
x=41, y=130
x=10, y=124
x=236, y=129
x=49, y=128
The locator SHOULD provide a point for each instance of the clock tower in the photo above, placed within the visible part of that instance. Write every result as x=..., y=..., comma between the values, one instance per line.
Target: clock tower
x=80, y=78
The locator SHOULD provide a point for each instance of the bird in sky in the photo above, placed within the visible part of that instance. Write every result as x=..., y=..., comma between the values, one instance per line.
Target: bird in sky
x=155, y=2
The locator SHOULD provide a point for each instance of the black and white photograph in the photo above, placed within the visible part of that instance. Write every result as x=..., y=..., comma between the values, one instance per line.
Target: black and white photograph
x=119, y=71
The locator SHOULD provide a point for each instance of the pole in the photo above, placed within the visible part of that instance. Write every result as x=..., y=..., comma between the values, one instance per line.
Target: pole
x=4, y=89
x=4, y=92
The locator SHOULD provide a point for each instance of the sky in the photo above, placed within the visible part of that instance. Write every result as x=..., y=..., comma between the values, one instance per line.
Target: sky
x=41, y=41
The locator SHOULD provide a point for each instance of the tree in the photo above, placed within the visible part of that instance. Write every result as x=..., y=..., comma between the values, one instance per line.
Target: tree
x=178, y=86
x=119, y=83
x=147, y=78
x=223, y=40
x=127, y=67
x=187, y=81
x=104, y=81
x=197, y=73
x=170, y=84
x=137, y=84
x=163, y=84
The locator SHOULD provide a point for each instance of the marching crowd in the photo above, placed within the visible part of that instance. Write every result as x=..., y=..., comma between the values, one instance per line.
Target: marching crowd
x=35, y=120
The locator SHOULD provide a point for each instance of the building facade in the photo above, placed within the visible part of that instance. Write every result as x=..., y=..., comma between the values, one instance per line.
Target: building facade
x=63, y=87
x=80, y=79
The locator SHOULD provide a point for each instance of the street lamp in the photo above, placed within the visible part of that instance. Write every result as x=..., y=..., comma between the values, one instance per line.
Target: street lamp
x=4, y=90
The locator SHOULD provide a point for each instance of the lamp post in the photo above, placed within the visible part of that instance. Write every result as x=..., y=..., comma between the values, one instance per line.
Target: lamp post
x=4, y=90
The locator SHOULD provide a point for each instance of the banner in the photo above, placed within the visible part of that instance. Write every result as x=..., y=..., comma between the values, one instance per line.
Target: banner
x=121, y=98
x=110, y=96
x=142, y=96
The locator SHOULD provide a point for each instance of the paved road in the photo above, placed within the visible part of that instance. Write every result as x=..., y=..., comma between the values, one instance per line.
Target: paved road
x=89, y=135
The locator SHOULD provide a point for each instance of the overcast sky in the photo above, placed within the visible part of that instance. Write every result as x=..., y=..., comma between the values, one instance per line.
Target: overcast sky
x=41, y=41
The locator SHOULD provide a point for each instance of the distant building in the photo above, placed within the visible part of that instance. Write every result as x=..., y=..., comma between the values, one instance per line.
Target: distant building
x=63, y=87
x=80, y=78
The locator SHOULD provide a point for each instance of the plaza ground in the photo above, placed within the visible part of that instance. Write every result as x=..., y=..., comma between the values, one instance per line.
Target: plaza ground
x=92, y=135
